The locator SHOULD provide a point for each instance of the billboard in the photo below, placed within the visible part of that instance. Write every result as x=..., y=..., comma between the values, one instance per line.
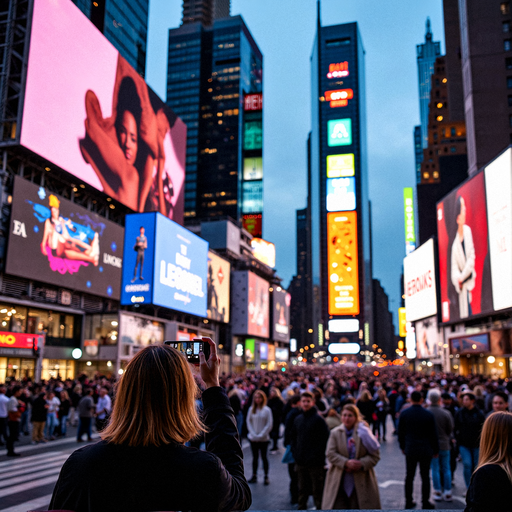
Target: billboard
x=402, y=323
x=66, y=244
x=165, y=265
x=341, y=194
x=264, y=251
x=281, y=301
x=339, y=132
x=217, y=306
x=253, y=223
x=88, y=111
x=250, y=305
x=253, y=168
x=410, y=229
x=464, y=262
x=420, y=283
x=471, y=344
x=342, y=261
x=252, y=201
x=498, y=189
x=253, y=135
x=501, y=342
x=19, y=340
x=340, y=166
x=427, y=338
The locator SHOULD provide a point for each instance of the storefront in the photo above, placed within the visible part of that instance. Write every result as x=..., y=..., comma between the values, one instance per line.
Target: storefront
x=20, y=356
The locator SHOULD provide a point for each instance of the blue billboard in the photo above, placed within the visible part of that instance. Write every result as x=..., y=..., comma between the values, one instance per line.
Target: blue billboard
x=167, y=266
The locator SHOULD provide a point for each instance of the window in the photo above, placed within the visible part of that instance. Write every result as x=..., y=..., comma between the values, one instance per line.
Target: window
x=509, y=82
x=436, y=175
x=426, y=175
x=435, y=136
x=452, y=131
x=453, y=149
x=506, y=26
x=510, y=101
x=508, y=62
x=505, y=8
x=506, y=45
x=344, y=41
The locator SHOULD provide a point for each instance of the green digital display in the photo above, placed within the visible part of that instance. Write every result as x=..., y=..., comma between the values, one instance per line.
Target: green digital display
x=253, y=135
x=250, y=350
x=339, y=132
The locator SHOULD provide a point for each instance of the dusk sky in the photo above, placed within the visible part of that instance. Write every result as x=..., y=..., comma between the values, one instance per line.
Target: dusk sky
x=284, y=31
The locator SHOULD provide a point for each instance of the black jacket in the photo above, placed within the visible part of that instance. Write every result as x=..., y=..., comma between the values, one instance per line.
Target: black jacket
x=39, y=409
x=417, y=433
x=490, y=490
x=468, y=427
x=288, y=424
x=109, y=477
x=309, y=439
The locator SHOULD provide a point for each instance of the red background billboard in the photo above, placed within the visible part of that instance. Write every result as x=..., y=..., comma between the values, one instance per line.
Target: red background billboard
x=19, y=340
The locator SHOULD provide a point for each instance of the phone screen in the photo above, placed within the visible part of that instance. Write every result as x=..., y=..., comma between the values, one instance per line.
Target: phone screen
x=191, y=349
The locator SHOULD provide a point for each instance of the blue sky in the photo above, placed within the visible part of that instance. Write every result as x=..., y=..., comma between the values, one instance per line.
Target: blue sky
x=284, y=30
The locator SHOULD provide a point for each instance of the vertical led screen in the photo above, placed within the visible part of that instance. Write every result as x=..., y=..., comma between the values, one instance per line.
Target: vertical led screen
x=89, y=112
x=341, y=194
x=252, y=222
x=410, y=229
x=342, y=261
x=339, y=132
x=281, y=315
x=464, y=261
x=56, y=241
x=340, y=166
x=427, y=338
x=218, y=288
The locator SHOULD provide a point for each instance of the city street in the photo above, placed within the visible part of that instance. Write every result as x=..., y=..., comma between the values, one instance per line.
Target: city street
x=27, y=482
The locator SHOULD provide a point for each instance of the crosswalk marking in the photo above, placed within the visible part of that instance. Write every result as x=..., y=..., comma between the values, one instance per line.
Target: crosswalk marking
x=19, y=479
x=14, y=462
x=29, y=485
x=4, y=482
x=34, y=464
x=35, y=504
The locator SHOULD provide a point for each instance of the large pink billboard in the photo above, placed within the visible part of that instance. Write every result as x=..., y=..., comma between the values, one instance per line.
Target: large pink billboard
x=87, y=111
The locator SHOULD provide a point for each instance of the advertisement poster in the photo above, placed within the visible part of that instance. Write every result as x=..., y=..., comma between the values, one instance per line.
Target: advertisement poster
x=281, y=317
x=258, y=306
x=341, y=194
x=68, y=245
x=89, y=112
x=218, y=288
x=340, y=166
x=140, y=331
x=339, y=132
x=343, y=274
x=264, y=251
x=427, y=338
x=472, y=344
x=464, y=261
x=501, y=342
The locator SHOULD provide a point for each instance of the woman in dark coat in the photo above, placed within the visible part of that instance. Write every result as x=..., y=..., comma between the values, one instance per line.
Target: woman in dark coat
x=276, y=404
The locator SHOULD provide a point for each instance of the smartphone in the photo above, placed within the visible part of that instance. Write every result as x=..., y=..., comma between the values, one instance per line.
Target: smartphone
x=191, y=349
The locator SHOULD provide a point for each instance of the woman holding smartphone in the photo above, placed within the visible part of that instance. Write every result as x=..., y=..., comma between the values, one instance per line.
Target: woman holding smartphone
x=154, y=415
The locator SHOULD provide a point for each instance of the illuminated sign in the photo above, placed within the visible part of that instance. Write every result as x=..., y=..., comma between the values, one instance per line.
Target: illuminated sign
x=252, y=201
x=348, y=325
x=253, y=168
x=350, y=348
x=338, y=70
x=339, y=97
x=340, y=166
x=341, y=194
x=410, y=342
x=402, y=322
x=18, y=340
x=250, y=349
x=253, y=135
x=264, y=251
x=253, y=102
x=219, y=270
x=410, y=230
x=339, y=132
x=253, y=223
x=282, y=354
x=281, y=301
x=263, y=351
x=342, y=261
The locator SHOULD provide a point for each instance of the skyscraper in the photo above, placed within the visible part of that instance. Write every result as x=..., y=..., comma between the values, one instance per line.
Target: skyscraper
x=124, y=23
x=339, y=184
x=214, y=84
x=205, y=11
x=418, y=152
x=426, y=55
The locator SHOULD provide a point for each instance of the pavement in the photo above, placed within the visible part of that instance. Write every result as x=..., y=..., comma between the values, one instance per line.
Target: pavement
x=27, y=482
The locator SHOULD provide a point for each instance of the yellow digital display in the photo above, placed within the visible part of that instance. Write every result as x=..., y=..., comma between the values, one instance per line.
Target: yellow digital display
x=402, y=323
x=340, y=166
x=342, y=261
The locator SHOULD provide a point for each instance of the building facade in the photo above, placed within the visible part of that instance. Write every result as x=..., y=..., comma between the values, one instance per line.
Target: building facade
x=205, y=11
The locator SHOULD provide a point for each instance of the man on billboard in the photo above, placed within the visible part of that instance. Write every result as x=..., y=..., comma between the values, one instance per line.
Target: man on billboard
x=141, y=244
x=463, y=261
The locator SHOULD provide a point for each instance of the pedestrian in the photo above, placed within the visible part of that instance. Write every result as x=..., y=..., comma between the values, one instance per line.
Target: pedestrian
x=449, y=405
x=51, y=418
x=64, y=408
x=367, y=406
x=259, y=426
x=295, y=410
x=276, y=404
x=418, y=441
x=441, y=465
x=490, y=488
x=26, y=398
x=352, y=451
x=381, y=413
x=499, y=402
x=308, y=442
x=4, y=400
x=14, y=411
x=85, y=412
x=468, y=426
x=38, y=417
x=332, y=419
x=103, y=409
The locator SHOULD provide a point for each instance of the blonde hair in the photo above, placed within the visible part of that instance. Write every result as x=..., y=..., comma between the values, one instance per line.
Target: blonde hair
x=263, y=396
x=496, y=442
x=355, y=411
x=155, y=401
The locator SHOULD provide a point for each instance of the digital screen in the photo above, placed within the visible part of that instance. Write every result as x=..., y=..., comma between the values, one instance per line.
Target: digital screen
x=338, y=70
x=342, y=261
x=341, y=194
x=281, y=300
x=282, y=354
x=470, y=344
x=263, y=351
x=253, y=102
x=253, y=135
x=250, y=350
x=339, y=97
x=253, y=223
x=427, y=338
x=252, y=201
x=219, y=270
x=344, y=325
x=140, y=331
x=464, y=260
x=501, y=342
x=67, y=245
x=410, y=230
x=89, y=112
x=402, y=323
x=264, y=251
x=340, y=166
x=253, y=168
x=498, y=188
x=339, y=132
x=166, y=265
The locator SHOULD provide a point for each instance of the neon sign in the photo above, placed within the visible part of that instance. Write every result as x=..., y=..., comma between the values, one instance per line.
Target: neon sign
x=253, y=102
x=338, y=70
x=339, y=98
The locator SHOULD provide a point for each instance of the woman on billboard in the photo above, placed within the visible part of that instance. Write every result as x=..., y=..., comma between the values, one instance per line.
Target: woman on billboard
x=463, y=261
x=127, y=151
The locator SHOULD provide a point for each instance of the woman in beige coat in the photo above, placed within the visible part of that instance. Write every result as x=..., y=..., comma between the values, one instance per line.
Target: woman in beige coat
x=352, y=452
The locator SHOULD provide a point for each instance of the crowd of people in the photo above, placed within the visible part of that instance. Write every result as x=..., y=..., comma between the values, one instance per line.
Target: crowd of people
x=332, y=421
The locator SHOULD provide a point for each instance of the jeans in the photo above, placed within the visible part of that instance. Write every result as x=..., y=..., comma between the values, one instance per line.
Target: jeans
x=84, y=427
x=469, y=460
x=442, y=465
x=51, y=423
x=63, y=425
x=239, y=423
x=257, y=448
x=24, y=422
x=411, y=461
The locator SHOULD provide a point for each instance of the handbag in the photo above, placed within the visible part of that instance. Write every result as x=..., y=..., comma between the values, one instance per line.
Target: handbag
x=288, y=456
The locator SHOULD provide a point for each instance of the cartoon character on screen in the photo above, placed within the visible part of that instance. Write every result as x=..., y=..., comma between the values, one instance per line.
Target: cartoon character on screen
x=463, y=260
x=58, y=243
x=128, y=150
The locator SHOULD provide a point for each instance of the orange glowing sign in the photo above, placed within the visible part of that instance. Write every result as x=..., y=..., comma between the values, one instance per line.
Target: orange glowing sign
x=338, y=70
x=343, y=274
x=339, y=97
x=253, y=102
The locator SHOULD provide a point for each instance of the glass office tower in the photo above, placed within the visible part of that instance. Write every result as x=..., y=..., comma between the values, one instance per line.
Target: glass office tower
x=214, y=83
x=339, y=188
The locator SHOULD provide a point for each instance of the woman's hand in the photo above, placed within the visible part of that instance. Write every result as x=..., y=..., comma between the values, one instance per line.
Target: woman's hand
x=210, y=369
x=353, y=465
